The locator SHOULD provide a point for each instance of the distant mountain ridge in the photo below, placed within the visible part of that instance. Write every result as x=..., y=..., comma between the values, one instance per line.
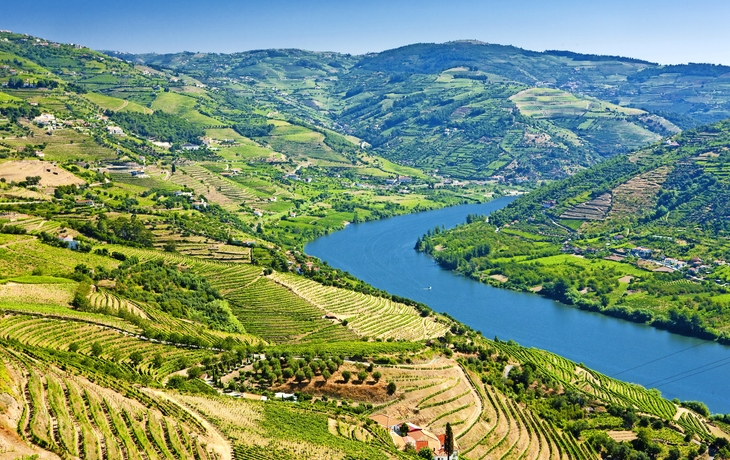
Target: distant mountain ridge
x=451, y=107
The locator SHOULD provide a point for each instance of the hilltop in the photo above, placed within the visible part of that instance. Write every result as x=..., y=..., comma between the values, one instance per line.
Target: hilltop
x=155, y=302
x=475, y=110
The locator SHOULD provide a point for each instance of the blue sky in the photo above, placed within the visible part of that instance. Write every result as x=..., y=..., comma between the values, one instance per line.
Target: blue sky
x=668, y=31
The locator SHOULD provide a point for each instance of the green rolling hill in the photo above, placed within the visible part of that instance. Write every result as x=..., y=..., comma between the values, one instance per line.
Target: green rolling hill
x=475, y=110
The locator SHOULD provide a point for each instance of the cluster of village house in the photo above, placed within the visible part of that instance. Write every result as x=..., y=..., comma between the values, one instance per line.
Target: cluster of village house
x=693, y=267
x=51, y=123
x=416, y=437
x=197, y=204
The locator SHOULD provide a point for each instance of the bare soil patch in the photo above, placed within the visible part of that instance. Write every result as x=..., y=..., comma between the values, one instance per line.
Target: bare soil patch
x=50, y=174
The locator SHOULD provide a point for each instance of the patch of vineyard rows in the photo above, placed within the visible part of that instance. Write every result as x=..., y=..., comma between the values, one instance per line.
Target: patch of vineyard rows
x=508, y=429
x=275, y=313
x=592, y=382
x=77, y=418
x=367, y=315
x=56, y=334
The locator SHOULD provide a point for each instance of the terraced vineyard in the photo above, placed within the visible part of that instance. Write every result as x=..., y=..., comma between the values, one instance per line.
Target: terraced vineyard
x=165, y=323
x=199, y=246
x=289, y=306
x=511, y=430
x=104, y=300
x=487, y=424
x=603, y=387
x=638, y=193
x=595, y=209
x=366, y=315
x=434, y=394
x=214, y=187
x=271, y=311
x=36, y=224
x=278, y=431
x=76, y=418
x=55, y=334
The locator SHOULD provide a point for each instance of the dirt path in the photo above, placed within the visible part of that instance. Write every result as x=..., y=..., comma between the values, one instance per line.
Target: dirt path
x=478, y=407
x=680, y=412
x=215, y=439
x=507, y=369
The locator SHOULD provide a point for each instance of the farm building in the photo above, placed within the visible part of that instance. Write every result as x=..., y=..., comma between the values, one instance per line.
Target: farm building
x=70, y=242
x=45, y=119
x=416, y=436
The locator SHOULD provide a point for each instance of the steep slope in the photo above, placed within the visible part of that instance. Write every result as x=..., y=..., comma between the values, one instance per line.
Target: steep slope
x=640, y=236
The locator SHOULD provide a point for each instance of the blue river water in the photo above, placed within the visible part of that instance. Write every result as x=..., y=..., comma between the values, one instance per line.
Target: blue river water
x=381, y=253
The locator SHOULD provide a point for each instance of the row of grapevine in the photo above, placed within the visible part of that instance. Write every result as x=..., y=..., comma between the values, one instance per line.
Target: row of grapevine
x=59, y=335
x=275, y=313
x=602, y=386
x=76, y=418
x=367, y=315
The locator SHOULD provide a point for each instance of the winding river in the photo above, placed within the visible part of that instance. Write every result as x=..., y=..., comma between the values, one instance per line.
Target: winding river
x=381, y=253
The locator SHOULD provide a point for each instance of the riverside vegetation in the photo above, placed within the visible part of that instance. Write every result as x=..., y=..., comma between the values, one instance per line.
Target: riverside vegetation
x=155, y=297
x=641, y=237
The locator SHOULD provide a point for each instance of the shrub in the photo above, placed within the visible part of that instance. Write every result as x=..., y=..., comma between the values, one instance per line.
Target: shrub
x=391, y=388
x=97, y=349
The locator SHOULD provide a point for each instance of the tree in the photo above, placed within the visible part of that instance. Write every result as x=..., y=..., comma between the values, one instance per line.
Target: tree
x=300, y=376
x=391, y=388
x=346, y=376
x=673, y=454
x=449, y=441
x=15, y=82
x=362, y=375
x=195, y=372
x=404, y=429
x=157, y=361
x=377, y=375
x=426, y=453
x=136, y=357
x=73, y=347
x=326, y=375
x=96, y=349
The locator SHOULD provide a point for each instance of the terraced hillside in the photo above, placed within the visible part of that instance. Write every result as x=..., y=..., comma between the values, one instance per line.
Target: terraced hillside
x=216, y=189
x=73, y=416
x=367, y=315
x=452, y=106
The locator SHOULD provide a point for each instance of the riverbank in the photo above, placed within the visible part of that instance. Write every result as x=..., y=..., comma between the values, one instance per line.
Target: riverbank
x=381, y=253
x=592, y=279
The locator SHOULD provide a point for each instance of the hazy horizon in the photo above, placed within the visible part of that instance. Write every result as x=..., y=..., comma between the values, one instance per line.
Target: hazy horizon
x=668, y=32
